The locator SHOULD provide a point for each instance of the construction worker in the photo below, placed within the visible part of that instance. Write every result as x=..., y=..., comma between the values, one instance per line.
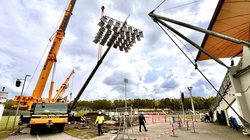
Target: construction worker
x=142, y=122
x=99, y=121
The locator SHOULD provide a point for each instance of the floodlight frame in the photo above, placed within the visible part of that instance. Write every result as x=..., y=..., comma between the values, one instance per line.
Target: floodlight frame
x=118, y=34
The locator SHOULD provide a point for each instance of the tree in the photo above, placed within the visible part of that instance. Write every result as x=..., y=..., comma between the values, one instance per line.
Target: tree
x=8, y=104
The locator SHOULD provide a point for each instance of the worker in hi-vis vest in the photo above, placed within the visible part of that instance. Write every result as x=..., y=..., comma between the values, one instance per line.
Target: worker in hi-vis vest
x=99, y=121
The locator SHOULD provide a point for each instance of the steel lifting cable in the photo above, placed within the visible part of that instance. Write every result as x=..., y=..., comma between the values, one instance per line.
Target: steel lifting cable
x=71, y=91
x=177, y=6
x=196, y=67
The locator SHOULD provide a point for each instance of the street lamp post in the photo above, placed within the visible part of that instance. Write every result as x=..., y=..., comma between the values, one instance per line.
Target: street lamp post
x=126, y=105
x=192, y=103
x=19, y=101
x=125, y=111
x=182, y=105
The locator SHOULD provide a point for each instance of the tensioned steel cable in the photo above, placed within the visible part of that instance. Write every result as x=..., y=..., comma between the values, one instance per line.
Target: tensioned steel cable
x=195, y=64
x=177, y=6
x=246, y=123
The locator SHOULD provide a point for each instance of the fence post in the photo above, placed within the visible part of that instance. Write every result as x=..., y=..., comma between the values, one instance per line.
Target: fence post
x=173, y=134
x=179, y=121
x=7, y=122
x=193, y=126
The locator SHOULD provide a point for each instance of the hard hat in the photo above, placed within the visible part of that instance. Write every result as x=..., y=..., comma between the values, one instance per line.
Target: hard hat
x=99, y=112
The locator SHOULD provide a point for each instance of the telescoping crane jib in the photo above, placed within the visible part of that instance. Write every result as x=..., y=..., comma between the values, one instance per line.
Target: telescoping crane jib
x=61, y=90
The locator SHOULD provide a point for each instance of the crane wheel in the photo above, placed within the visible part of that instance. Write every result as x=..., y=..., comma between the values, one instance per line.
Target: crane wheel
x=33, y=130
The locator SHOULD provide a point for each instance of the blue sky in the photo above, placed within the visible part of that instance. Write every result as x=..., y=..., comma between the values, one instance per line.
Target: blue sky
x=154, y=67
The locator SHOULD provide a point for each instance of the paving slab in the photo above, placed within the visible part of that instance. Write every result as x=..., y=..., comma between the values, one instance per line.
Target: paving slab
x=201, y=131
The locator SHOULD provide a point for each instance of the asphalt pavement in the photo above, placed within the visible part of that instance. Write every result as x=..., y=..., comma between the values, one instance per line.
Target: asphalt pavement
x=198, y=131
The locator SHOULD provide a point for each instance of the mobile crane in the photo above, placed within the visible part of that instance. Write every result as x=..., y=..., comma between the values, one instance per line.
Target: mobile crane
x=61, y=90
x=43, y=112
x=27, y=101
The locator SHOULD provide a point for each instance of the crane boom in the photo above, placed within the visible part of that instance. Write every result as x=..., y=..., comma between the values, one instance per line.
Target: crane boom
x=51, y=58
x=63, y=87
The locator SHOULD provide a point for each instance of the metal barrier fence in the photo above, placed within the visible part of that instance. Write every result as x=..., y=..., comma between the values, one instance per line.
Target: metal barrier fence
x=171, y=126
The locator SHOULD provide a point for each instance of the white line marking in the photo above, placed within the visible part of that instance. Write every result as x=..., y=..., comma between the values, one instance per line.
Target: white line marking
x=38, y=137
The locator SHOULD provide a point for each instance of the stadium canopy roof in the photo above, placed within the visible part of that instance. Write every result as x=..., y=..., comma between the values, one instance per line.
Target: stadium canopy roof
x=231, y=18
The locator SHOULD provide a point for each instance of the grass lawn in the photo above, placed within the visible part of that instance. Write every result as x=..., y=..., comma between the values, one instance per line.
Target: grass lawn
x=4, y=132
x=10, y=123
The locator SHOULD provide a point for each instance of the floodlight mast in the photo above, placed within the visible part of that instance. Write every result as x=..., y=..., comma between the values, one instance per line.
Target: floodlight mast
x=111, y=40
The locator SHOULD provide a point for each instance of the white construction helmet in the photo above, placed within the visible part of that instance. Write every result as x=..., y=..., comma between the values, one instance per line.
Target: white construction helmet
x=99, y=112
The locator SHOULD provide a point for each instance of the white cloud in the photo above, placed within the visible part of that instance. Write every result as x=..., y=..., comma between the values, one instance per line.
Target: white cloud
x=155, y=67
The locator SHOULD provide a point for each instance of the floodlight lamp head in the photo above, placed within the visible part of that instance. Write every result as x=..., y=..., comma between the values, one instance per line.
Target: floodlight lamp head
x=103, y=19
x=102, y=29
x=120, y=47
x=120, y=40
x=117, y=24
x=138, y=38
x=140, y=33
x=133, y=40
x=95, y=41
x=135, y=32
x=108, y=26
x=108, y=32
x=113, y=37
x=110, y=43
x=126, y=50
x=115, y=45
x=101, y=23
x=189, y=88
x=133, y=35
x=128, y=34
x=110, y=22
x=124, y=29
x=105, y=38
x=103, y=42
x=130, y=29
x=98, y=36
x=115, y=29
x=122, y=33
